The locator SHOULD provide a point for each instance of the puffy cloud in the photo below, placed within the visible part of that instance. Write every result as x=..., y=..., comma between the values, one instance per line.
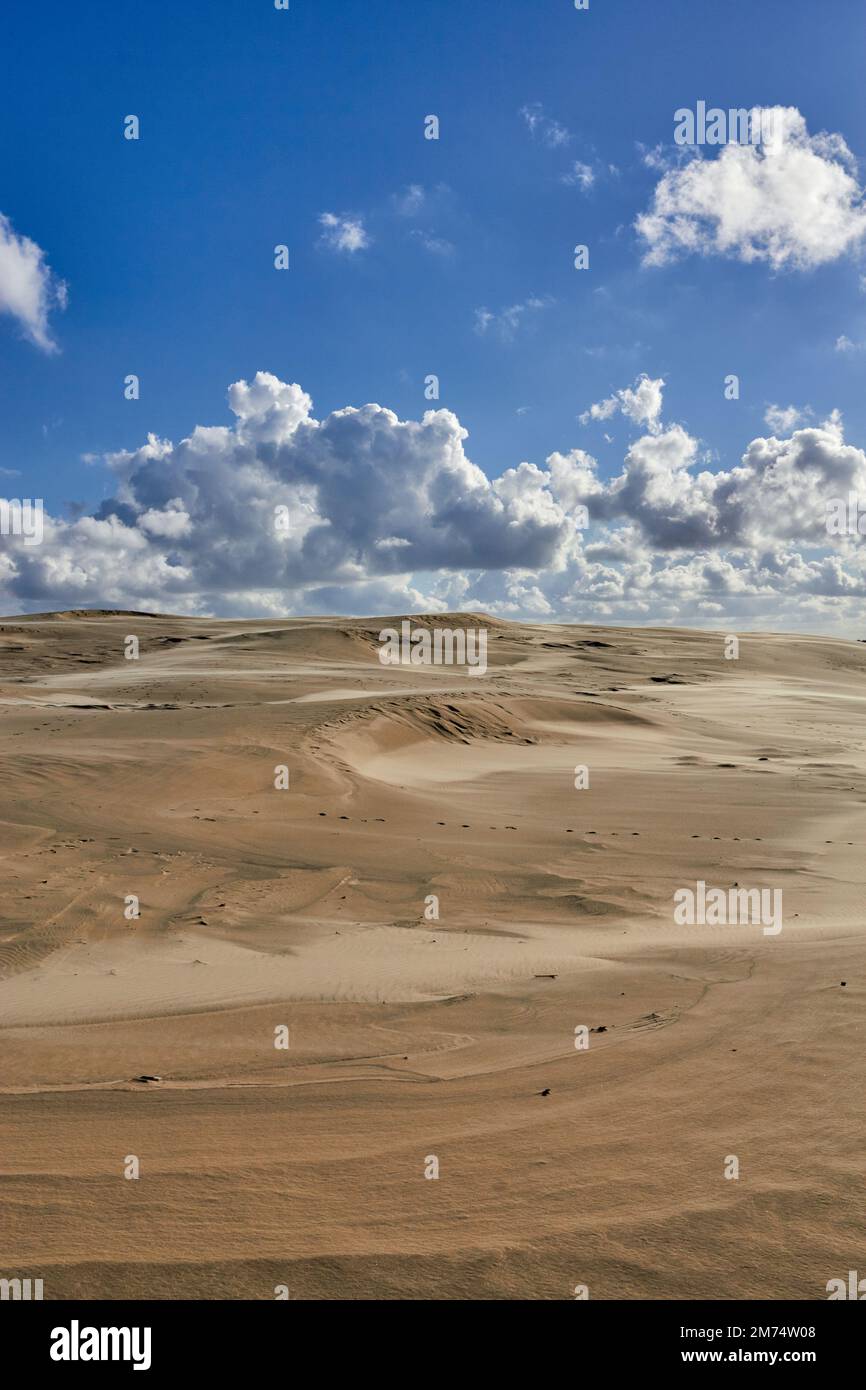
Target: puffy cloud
x=387, y=514
x=641, y=403
x=366, y=495
x=172, y=521
x=343, y=233
x=793, y=201
x=779, y=493
x=268, y=409
x=29, y=290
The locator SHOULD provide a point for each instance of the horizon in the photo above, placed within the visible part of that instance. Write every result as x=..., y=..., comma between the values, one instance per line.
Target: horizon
x=357, y=618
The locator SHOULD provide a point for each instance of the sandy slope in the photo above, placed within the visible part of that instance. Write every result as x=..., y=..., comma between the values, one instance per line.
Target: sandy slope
x=414, y=1037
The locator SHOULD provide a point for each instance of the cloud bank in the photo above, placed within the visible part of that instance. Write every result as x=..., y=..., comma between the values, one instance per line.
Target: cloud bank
x=280, y=513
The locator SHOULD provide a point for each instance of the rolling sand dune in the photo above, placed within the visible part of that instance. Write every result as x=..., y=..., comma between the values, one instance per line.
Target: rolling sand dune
x=413, y=1036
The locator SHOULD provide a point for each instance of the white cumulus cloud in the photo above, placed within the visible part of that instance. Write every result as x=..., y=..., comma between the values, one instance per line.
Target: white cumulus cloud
x=641, y=403
x=793, y=201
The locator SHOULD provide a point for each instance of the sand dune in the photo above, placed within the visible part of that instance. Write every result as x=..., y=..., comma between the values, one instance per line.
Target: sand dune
x=414, y=1035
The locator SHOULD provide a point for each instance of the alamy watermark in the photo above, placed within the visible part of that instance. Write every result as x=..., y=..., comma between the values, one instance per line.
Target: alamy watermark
x=854, y=1289
x=713, y=126
x=24, y=1290
x=732, y=907
x=846, y=516
x=22, y=517
x=77, y=1343
x=418, y=646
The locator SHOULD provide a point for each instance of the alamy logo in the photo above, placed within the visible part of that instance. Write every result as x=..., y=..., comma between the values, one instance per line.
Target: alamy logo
x=718, y=127
x=441, y=647
x=855, y=1288
x=738, y=907
x=23, y=1289
x=846, y=516
x=22, y=518
x=77, y=1343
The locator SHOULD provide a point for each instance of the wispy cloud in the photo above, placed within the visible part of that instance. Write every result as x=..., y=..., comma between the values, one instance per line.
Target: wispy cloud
x=506, y=322
x=543, y=127
x=580, y=174
x=436, y=245
x=784, y=419
x=411, y=201
x=427, y=207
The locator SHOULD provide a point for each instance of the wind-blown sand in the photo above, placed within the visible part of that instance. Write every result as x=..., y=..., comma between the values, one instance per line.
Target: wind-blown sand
x=410, y=1037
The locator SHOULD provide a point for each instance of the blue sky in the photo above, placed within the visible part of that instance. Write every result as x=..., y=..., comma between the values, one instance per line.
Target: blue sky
x=256, y=122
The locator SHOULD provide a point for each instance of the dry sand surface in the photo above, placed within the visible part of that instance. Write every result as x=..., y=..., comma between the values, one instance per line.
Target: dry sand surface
x=410, y=1037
